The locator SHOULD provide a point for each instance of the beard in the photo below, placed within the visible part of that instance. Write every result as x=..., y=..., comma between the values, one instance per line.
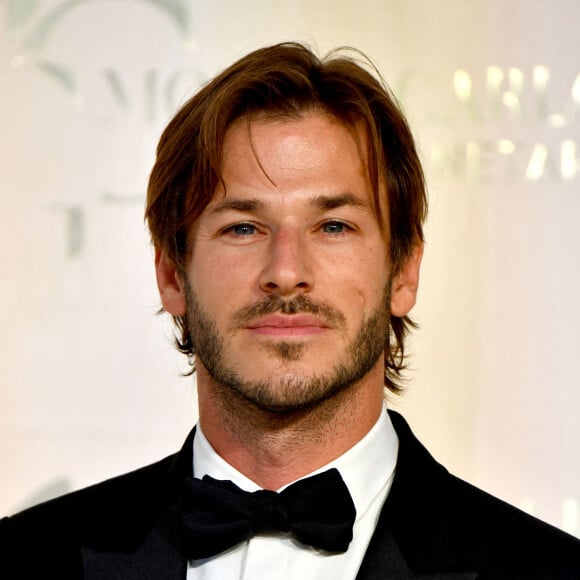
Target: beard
x=286, y=393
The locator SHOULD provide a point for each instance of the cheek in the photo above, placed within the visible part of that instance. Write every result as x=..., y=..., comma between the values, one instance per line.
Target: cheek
x=220, y=284
x=362, y=288
x=369, y=270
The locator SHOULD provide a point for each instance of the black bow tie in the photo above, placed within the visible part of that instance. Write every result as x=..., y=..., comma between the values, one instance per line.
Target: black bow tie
x=217, y=515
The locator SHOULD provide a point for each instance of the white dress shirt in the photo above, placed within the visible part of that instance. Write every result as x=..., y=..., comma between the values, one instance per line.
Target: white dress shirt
x=367, y=468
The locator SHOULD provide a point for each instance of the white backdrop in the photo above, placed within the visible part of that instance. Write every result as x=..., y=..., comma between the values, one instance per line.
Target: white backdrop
x=89, y=384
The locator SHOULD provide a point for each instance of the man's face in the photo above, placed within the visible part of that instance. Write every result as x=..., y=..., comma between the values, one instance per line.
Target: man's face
x=288, y=282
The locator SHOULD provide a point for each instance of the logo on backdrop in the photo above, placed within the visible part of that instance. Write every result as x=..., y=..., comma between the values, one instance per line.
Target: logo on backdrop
x=502, y=124
x=131, y=101
x=33, y=28
x=496, y=125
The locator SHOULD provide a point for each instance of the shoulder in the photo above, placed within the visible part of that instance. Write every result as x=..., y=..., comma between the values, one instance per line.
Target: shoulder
x=117, y=509
x=97, y=502
x=439, y=517
x=502, y=533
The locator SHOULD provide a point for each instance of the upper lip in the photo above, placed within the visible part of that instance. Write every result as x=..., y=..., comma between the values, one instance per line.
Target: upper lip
x=288, y=321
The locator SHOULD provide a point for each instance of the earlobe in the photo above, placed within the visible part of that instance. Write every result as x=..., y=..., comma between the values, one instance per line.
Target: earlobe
x=170, y=284
x=406, y=283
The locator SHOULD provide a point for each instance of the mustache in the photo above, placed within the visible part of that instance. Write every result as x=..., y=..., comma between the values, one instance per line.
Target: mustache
x=296, y=305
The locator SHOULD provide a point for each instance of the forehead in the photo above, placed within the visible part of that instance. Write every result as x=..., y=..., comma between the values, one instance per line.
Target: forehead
x=289, y=153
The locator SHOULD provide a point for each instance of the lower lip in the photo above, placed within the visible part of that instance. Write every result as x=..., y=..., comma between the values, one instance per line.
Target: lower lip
x=287, y=330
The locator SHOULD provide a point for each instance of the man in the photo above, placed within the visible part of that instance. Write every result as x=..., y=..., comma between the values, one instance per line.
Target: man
x=286, y=208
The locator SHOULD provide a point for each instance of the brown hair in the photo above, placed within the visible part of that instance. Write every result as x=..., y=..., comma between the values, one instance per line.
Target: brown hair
x=288, y=79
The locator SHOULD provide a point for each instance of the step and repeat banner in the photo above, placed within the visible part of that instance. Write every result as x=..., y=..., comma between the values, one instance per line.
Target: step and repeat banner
x=89, y=383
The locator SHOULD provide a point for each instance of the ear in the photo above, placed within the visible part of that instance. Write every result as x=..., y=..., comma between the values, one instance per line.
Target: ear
x=405, y=283
x=170, y=284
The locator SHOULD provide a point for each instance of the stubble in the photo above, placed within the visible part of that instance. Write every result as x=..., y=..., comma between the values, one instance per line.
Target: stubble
x=287, y=393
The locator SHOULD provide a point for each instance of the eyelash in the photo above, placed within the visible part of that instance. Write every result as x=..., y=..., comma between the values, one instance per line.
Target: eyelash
x=234, y=229
x=345, y=226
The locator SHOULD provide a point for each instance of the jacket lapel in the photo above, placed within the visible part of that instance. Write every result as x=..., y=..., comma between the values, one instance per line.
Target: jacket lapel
x=150, y=548
x=156, y=557
x=412, y=539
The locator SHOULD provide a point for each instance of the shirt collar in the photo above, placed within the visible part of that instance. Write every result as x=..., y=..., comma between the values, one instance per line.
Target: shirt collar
x=367, y=467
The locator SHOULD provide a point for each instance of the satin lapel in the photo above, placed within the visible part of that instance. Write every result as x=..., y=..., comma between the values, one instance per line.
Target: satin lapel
x=407, y=541
x=148, y=549
x=156, y=557
x=384, y=560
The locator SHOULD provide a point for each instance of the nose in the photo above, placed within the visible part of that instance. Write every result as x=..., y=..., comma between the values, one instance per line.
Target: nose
x=287, y=270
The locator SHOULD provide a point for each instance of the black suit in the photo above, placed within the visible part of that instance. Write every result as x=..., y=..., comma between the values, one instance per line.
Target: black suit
x=433, y=525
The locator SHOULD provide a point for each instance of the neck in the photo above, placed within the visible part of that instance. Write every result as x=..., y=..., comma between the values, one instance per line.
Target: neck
x=275, y=448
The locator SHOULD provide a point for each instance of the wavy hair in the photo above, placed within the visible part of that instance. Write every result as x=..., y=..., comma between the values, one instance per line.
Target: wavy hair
x=287, y=80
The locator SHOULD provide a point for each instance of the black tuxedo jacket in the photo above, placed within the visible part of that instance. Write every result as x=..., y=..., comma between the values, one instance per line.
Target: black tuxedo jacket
x=432, y=525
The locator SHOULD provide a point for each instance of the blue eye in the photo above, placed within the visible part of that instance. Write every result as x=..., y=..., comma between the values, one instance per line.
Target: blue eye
x=334, y=227
x=242, y=229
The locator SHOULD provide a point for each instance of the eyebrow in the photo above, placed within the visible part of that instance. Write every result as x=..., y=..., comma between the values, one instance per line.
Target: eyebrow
x=336, y=201
x=246, y=205
x=324, y=202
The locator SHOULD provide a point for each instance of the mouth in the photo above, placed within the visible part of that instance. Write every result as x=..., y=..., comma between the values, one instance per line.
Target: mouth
x=288, y=326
